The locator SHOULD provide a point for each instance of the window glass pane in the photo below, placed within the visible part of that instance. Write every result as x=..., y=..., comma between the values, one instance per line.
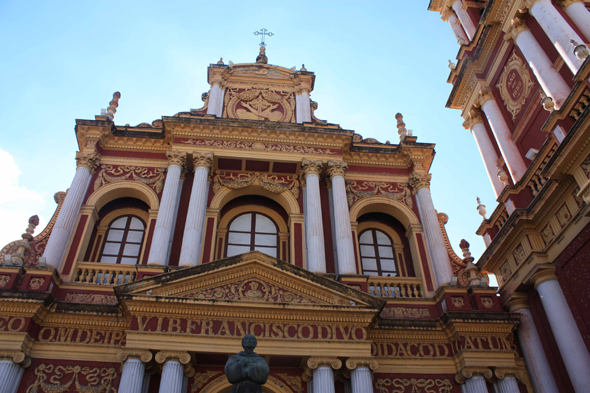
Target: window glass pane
x=382, y=238
x=131, y=250
x=120, y=222
x=108, y=259
x=136, y=224
x=369, y=263
x=129, y=261
x=267, y=250
x=366, y=237
x=236, y=250
x=115, y=235
x=111, y=248
x=242, y=223
x=387, y=265
x=371, y=273
x=266, y=240
x=239, y=238
x=385, y=252
x=134, y=236
x=264, y=224
x=367, y=251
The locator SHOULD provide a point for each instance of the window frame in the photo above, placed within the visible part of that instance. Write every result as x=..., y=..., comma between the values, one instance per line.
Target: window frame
x=123, y=241
x=253, y=233
x=377, y=258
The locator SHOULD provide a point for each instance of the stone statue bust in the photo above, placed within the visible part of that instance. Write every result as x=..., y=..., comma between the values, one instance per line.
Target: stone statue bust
x=247, y=371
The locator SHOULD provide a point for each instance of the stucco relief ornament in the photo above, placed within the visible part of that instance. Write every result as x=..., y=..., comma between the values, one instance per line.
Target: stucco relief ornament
x=89, y=160
x=61, y=378
x=400, y=385
x=515, y=84
x=153, y=178
x=356, y=190
x=259, y=104
x=419, y=181
x=274, y=183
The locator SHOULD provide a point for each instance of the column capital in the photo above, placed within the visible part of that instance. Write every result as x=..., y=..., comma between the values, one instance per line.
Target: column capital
x=353, y=363
x=567, y=3
x=473, y=118
x=182, y=357
x=469, y=372
x=446, y=13
x=311, y=167
x=176, y=157
x=141, y=354
x=517, y=301
x=337, y=168
x=316, y=362
x=18, y=357
x=87, y=159
x=502, y=373
x=517, y=26
x=203, y=159
x=485, y=95
x=542, y=275
x=419, y=181
x=307, y=375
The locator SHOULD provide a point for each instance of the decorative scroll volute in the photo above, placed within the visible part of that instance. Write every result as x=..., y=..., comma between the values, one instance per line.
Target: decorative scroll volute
x=353, y=363
x=144, y=356
x=153, y=178
x=182, y=357
x=274, y=183
x=357, y=190
x=469, y=372
x=502, y=373
x=17, y=357
x=315, y=362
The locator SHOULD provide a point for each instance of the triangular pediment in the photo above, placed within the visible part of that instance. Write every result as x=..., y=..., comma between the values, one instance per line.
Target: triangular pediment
x=249, y=279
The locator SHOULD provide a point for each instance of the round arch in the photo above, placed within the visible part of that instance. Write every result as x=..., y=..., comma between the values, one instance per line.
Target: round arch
x=113, y=191
x=285, y=199
x=377, y=204
x=221, y=385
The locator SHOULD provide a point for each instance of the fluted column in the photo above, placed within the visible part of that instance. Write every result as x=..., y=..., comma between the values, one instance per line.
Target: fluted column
x=486, y=149
x=303, y=107
x=449, y=16
x=360, y=374
x=163, y=230
x=323, y=373
x=466, y=22
x=565, y=330
x=192, y=239
x=12, y=367
x=437, y=250
x=558, y=30
x=474, y=380
x=216, y=95
x=534, y=355
x=579, y=14
x=61, y=233
x=133, y=374
x=549, y=78
x=508, y=148
x=507, y=383
x=314, y=228
x=173, y=370
x=344, y=246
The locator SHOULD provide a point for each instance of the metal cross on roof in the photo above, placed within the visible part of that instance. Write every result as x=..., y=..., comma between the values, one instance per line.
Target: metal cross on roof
x=263, y=32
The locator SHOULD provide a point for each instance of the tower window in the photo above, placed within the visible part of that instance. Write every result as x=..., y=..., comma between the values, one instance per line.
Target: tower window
x=123, y=241
x=252, y=232
x=377, y=253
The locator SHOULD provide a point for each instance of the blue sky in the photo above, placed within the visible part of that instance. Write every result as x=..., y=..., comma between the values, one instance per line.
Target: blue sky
x=63, y=60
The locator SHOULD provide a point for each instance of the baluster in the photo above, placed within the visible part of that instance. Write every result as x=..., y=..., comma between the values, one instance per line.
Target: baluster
x=99, y=277
x=91, y=275
x=404, y=290
x=396, y=290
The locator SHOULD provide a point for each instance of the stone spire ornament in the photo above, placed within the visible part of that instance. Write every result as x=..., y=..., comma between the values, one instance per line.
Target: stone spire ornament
x=481, y=209
x=474, y=278
x=401, y=126
x=18, y=257
x=112, y=108
x=580, y=50
x=261, y=58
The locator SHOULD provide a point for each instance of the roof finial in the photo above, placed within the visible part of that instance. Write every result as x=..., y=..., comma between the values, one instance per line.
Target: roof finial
x=261, y=58
x=401, y=126
x=481, y=208
x=112, y=108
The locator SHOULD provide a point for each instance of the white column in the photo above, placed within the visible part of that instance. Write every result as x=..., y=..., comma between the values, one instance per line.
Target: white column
x=303, y=108
x=344, y=246
x=216, y=95
x=172, y=377
x=361, y=381
x=486, y=150
x=510, y=152
x=323, y=379
x=164, y=229
x=567, y=335
x=476, y=384
x=57, y=244
x=580, y=15
x=532, y=348
x=310, y=386
x=314, y=228
x=437, y=250
x=550, y=80
x=132, y=377
x=464, y=18
x=190, y=253
x=10, y=373
x=508, y=385
x=145, y=386
x=449, y=17
x=559, y=32
x=16, y=383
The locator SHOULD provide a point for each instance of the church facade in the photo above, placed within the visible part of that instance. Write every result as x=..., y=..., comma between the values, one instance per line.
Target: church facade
x=249, y=216
x=522, y=84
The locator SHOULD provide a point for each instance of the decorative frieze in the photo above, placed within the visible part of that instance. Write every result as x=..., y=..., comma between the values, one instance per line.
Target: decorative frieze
x=403, y=385
x=274, y=183
x=357, y=190
x=91, y=298
x=404, y=313
x=261, y=146
x=153, y=178
x=52, y=378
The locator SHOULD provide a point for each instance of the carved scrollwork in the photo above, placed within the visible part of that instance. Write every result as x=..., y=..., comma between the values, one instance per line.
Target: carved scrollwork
x=310, y=167
x=182, y=357
x=356, y=190
x=419, y=181
x=315, y=362
x=18, y=357
x=293, y=381
x=469, y=372
x=89, y=160
x=274, y=183
x=144, y=356
x=153, y=178
x=515, y=84
x=176, y=157
x=353, y=363
x=95, y=380
x=259, y=104
x=199, y=379
x=400, y=385
x=337, y=168
x=203, y=159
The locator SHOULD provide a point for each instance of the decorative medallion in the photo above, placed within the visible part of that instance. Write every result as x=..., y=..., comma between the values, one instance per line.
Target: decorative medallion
x=505, y=271
x=547, y=234
x=36, y=283
x=563, y=215
x=518, y=254
x=515, y=84
x=259, y=104
x=458, y=301
x=4, y=280
x=356, y=190
x=487, y=302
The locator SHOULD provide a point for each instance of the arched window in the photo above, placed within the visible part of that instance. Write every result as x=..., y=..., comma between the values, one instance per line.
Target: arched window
x=123, y=241
x=252, y=232
x=377, y=253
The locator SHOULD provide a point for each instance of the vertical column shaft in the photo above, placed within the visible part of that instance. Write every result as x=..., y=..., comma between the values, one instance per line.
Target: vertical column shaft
x=507, y=385
x=580, y=15
x=344, y=245
x=172, y=377
x=451, y=19
x=488, y=153
x=164, y=229
x=323, y=380
x=503, y=136
x=314, y=228
x=63, y=229
x=567, y=335
x=132, y=377
x=303, y=108
x=192, y=240
x=10, y=373
x=464, y=18
x=215, y=106
x=558, y=30
x=361, y=381
x=476, y=384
